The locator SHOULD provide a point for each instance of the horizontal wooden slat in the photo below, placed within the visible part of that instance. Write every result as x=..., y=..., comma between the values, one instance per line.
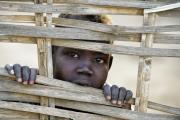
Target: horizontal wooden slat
x=167, y=38
x=67, y=33
x=164, y=108
x=17, y=115
x=74, y=88
x=114, y=49
x=159, y=38
x=66, y=8
x=55, y=112
x=114, y=29
x=75, y=33
x=163, y=8
x=81, y=116
x=103, y=7
x=12, y=96
x=9, y=96
x=17, y=39
x=17, y=18
x=119, y=49
x=114, y=3
x=61, y=93
x=125, y=114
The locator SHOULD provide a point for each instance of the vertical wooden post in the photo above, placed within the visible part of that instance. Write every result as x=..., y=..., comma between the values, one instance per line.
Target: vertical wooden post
x=144, y=70
x=44, y=57
x=49, y=55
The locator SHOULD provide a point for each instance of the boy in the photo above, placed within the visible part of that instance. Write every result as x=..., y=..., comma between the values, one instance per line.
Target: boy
x=83, y=67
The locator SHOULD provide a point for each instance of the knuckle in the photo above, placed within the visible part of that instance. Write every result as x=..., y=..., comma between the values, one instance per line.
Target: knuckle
x=123, y=89
x=107, y=91
x=122, y=93
x=129, y=95
x=25, y=72
x=114, y=87
x=114, y=92
x=17, y=70
x=9, y=69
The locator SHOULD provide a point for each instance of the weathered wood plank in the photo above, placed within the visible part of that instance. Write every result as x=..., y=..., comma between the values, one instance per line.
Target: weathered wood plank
x=119, y=49
x=114, y=3
x=17, y=18
x=53, y=111
x=54, y=92
x=42, y=56
x=9, y=96
x=12, y=96
x=114, y=29
x=144, y=68
x=72, y=87
x=162, y=8
x=38, y=31
x=107, y=110
x=159, y=38
x=164, y=108
x=17, y=39
x=80, y=8
x=49, y=63
x=11, y=115
x=67, y=33
x=67, y=8
x=126, y=114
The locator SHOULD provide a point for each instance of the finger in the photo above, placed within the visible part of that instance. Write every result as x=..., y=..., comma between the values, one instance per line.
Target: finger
x=107, y=91
x=25, y=74
x=129, y=95
x=114, y=94
x=17, y=72
x=32, y=77
x=122, y=95
x=9, y=69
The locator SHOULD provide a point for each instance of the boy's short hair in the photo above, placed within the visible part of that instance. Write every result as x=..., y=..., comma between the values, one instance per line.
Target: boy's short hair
x=104, y=19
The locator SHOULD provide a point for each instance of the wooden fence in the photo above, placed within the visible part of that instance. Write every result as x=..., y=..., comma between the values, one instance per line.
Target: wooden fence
x=83, y=103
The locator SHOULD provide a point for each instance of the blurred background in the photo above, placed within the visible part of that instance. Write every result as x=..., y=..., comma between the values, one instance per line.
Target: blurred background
x=165, y=75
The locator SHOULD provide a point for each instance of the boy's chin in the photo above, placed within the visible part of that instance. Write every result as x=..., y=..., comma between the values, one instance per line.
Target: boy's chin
x=82, y=82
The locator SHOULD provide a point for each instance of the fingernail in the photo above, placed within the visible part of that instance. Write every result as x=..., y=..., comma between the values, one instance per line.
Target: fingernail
x=12, y=72
x=31, y=82
x=113, y=102
x=108, y=97
x=119, y=102
x=25, y=82
x=19, y=79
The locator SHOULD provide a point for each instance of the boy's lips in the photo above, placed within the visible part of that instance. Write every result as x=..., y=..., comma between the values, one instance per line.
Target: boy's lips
x=83, y=82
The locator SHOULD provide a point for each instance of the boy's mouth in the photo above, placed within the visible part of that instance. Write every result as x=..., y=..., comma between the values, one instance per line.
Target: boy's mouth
x=83, y=82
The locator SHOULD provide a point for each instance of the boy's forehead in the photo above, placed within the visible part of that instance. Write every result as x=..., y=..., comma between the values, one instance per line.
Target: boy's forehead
x=81, y=50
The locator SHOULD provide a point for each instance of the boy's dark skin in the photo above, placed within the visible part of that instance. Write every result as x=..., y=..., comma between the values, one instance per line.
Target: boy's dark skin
x=83, y=67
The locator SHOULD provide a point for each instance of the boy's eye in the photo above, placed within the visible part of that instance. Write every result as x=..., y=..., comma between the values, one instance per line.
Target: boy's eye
x=74, y=55
x=99, y=60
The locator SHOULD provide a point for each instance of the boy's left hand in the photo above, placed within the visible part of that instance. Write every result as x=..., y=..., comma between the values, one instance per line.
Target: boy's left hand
x=118, y=95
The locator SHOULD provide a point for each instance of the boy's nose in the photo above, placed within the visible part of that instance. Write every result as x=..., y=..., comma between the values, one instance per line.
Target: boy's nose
x=85, y=70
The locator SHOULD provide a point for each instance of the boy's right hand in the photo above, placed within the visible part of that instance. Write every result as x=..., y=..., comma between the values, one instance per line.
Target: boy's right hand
x=23, y=74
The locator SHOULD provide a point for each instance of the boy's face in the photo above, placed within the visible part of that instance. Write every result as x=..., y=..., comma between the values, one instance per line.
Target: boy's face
x=82, y=67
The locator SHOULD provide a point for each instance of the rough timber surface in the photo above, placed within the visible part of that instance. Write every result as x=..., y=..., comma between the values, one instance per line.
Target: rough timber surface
x=68, y=95
x=68, y=91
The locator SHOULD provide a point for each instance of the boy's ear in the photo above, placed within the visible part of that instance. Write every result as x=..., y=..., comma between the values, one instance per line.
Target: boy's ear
x=110, y=61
